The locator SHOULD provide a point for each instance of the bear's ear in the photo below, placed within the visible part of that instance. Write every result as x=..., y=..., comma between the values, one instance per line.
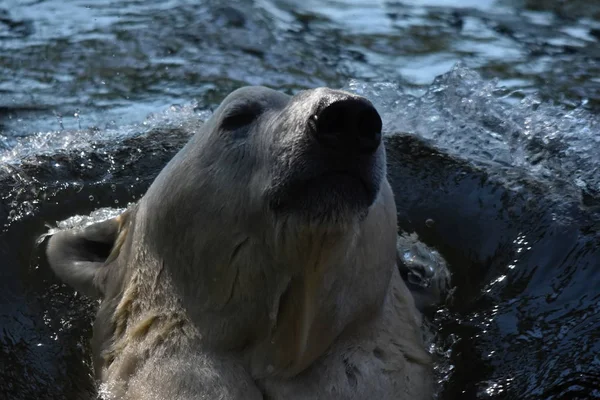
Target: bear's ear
x=78, y=255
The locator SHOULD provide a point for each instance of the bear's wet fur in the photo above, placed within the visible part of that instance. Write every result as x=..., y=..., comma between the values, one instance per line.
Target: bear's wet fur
x=261, y=263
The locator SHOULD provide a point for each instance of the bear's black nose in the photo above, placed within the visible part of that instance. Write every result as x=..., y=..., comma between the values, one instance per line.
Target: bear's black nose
x=350, y=124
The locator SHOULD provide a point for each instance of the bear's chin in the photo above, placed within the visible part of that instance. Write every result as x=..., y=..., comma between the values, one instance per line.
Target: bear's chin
x=333, y=197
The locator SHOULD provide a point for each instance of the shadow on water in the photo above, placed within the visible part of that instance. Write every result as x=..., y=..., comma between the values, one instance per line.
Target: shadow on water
x=525, y=314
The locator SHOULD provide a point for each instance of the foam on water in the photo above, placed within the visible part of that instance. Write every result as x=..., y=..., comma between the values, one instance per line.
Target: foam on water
x=479, y=121
x=14, y=150
x=81, y=221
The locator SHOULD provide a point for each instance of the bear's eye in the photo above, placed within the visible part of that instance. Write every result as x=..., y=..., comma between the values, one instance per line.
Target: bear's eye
x=239, y=117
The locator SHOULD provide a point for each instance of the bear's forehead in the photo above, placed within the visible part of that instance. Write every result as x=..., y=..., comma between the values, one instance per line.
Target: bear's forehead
x=264, y=98
x=313, y=100
x=257, y=96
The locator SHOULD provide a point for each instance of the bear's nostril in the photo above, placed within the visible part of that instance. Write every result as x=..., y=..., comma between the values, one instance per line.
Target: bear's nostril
x=352, y=124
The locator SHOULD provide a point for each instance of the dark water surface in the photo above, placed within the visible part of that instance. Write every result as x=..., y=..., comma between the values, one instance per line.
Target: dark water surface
x=501, y=152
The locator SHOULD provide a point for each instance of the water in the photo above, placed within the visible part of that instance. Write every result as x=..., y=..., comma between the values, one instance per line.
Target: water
x=499, y=172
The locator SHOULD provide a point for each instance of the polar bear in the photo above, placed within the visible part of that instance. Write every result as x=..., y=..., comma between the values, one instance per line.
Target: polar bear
x=260, y=263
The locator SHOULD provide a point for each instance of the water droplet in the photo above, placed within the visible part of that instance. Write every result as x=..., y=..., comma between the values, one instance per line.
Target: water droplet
x=27, y=207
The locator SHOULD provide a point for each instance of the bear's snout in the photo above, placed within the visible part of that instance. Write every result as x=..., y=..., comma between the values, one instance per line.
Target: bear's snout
x=350, y=125
x=330, y=163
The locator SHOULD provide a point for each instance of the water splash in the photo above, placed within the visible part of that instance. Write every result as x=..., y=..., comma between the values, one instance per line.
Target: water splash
x=14, y=150
x=478, y=121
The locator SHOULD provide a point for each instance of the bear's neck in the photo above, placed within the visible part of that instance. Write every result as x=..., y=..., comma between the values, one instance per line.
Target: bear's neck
x=278, y=297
